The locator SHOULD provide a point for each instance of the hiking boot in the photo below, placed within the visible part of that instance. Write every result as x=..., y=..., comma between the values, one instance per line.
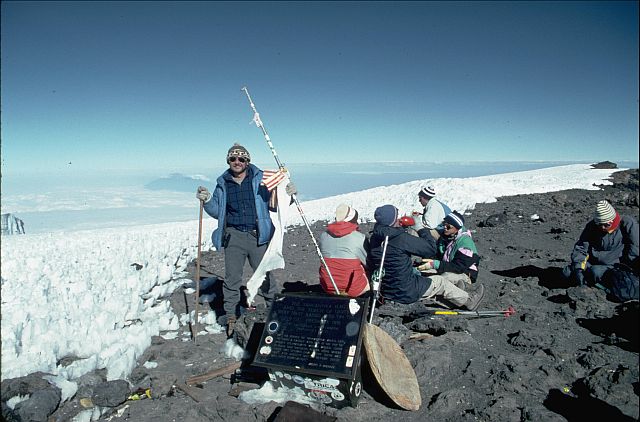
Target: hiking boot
x=231, y=324
x=475, y=297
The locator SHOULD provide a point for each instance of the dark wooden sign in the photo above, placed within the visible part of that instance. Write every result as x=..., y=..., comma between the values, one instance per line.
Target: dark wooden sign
x=318, y=334
x=314, y=342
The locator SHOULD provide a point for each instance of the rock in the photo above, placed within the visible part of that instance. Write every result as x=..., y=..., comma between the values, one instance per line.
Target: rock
x=23, y=386
x=496, y=220
x=39, y=406
x=605, y=165
x=87, y=382
x=614, y=385
x=110, y=393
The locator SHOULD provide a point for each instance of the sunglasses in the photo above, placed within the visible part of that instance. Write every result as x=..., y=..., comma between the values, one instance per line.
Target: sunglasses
x=606, y=225
x=447, y=226
x=233, y=159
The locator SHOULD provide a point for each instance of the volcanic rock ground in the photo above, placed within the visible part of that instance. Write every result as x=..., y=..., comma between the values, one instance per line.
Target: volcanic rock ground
x=568, y=353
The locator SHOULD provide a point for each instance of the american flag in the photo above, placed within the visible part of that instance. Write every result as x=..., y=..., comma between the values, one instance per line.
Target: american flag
x=272, y=178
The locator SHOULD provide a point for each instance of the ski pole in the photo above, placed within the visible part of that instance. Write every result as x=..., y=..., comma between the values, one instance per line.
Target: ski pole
x=258, y=122
x=376, y=278
x=195, y=330
x=506, y=313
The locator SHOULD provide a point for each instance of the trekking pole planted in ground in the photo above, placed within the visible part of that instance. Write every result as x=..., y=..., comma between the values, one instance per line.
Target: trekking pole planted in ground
x=258, y=122
x=194, y=330
x=376, y=279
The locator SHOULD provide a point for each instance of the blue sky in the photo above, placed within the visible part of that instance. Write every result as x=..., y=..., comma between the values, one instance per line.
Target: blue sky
x=157, y=85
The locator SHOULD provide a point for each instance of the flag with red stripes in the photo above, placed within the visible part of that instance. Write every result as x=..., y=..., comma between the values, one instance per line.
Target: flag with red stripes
x=272, y=178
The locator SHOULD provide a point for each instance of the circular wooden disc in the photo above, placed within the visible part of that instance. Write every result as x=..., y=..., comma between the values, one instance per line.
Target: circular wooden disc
x=392, y=369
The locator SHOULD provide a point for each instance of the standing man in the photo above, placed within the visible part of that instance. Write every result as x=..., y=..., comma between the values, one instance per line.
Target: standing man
x=241, y=205
x=606, y=240
x=433, y=214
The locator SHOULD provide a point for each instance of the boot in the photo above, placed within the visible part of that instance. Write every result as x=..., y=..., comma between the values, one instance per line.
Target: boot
x=475, y=297
x=231, y=324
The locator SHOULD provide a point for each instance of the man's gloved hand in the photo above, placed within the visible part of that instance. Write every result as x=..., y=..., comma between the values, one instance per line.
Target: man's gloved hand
x=203, y=194
x=429, y=264
x=291, y=189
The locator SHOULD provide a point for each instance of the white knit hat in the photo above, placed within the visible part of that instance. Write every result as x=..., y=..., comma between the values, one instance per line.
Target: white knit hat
x=345, y=213
x=604, y=213
x=428, y=191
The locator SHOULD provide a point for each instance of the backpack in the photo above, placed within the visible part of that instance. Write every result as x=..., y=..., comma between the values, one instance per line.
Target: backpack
x=622, y=282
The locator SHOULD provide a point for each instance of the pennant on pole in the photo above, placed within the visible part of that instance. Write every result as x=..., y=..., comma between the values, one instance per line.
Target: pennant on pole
x=272, y=178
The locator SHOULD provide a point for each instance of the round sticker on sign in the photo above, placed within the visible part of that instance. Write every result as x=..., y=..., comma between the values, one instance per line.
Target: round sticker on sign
x=273, y=327
x=353, y=307
x=268, y=339
x=265, y=350
x=337, y=396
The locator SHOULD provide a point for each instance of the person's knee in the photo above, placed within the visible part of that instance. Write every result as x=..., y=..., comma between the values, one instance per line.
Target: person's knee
x=595, y=273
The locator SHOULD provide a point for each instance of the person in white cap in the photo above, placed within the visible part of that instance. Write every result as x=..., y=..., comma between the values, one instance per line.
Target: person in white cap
x=344, y=249
x=608, y=239
x=433, y=213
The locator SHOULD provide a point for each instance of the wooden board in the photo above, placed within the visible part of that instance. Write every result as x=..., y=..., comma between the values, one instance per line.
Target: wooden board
x=391, y=368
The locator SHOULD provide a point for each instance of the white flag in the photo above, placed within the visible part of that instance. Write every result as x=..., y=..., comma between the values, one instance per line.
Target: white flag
x=272, y=258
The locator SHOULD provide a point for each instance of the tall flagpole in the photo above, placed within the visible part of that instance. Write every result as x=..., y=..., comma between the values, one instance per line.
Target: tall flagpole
x=258, y=122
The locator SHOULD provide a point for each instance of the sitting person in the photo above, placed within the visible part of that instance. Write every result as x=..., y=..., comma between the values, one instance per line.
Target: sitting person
x=344, y=250
x=606, y=240
x=457, y=256
x=433, y=213
x=401, y=282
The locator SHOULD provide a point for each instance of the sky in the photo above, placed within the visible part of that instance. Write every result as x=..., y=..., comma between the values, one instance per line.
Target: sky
x=119, y=86
x=91, y=302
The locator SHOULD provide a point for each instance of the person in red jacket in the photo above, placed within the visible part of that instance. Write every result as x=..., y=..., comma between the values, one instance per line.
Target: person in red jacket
x=344, y=249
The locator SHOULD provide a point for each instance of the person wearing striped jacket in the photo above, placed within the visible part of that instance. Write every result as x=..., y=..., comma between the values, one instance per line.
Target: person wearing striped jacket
x=457, y=257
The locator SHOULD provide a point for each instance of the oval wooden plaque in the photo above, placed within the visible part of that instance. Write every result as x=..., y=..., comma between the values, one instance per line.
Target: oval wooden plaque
x=391, y=368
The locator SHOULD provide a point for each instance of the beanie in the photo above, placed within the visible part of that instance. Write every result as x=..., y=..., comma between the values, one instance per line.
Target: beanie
x=604, y=213
x=238, y=150
x=345, y=213
x=427, y=192
x=455, y=219
x=386, y=215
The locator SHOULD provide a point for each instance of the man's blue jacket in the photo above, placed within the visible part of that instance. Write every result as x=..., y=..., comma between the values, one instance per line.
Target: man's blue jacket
x=216, y=207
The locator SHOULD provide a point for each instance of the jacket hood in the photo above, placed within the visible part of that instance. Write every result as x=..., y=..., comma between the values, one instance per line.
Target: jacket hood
x=341, y=228
x=382, y=230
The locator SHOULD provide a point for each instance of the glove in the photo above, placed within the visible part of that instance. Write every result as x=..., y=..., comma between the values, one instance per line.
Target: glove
x=291, y=189
x=203, y=194
x=429, y=264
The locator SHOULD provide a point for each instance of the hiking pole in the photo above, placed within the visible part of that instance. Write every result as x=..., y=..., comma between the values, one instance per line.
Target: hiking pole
x=258, y=122
x=376, y=278
x=194, y=330
x=506, y=313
